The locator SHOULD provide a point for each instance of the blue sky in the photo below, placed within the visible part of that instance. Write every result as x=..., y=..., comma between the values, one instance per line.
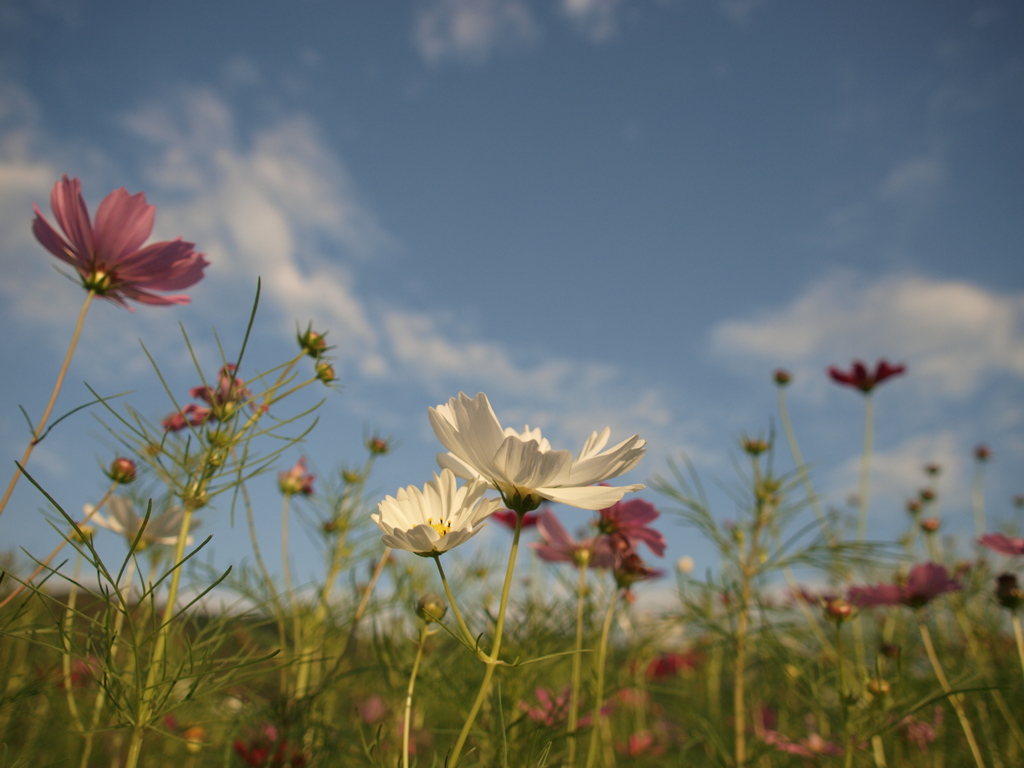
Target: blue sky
x=599, y=212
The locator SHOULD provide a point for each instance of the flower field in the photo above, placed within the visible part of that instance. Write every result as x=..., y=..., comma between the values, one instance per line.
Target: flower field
x=809, y=644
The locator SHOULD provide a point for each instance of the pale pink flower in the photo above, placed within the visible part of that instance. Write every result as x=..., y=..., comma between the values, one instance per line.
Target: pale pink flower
x=109, y=254
x=925, y=582
x=557, y=546
x=1004, y=545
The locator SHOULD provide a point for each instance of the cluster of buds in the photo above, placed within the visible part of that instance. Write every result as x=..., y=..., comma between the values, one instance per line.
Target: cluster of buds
x=314, y=344
x=296, y=480
x=219, y=402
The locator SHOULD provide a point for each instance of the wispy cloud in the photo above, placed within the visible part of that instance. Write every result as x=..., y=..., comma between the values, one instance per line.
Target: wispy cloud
x=471, y=30
x=952, y=333
x=597, y=19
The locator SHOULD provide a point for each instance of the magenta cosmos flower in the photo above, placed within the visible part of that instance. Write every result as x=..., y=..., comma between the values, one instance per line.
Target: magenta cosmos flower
x=859, y=377
x=924, y=583
x=557, y=546
x=109, y=254
x=626, y=523
x=1004, y=545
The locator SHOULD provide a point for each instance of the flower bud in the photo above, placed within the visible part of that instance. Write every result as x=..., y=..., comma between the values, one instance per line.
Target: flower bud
x=312, y=343
x=933, y=469
x=838, y=610
x=378, y=446
x=431, y=607
x=782, y=377
x=325, y=372
x=878, y=687
x=87, y=532
x=914, y=507
x=931, y=524
x=122, y=470
x=982, y=453
x=754, y=446
x=926, y=495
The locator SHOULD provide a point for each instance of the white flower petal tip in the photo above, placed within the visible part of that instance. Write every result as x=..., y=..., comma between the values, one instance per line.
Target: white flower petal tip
x=162, y=528
x=522, y=465
x=436, y=518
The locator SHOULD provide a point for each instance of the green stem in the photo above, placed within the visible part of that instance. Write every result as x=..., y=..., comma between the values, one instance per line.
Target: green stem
x=492, y=659
x=293, y=607
x=865, y=466
x=978, y=499
x=37, y=433
x=602, y=655
x=1019, y=637
x=577, y=670
x=470, y=640
x=407, y=725
x=955, y=699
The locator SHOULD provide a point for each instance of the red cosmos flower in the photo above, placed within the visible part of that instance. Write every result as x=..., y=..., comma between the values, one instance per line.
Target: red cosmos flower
x=266, y=749
x=626, y=523
x=191, y=415
x=860, y=378
x=1004, y=545
x=296, y=480
x=557, y=546
x=925, y=582
x=670, y=664
x=109, y=255
x=508, y=518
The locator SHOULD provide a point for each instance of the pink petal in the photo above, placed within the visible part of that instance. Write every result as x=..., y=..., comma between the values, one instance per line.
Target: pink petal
x=73, y=217
x=123, y=222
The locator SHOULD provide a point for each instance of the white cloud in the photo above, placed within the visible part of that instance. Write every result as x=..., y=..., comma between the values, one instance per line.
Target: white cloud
x=470, y=30
x=951, y=333
x=915, y=182
x=597, y=19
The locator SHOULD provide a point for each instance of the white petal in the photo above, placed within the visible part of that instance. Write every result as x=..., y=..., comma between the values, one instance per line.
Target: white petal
x=589, y=497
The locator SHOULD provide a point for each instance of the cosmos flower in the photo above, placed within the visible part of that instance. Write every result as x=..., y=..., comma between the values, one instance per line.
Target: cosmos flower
x=162, y=528
x=522, y=466
x=859, y=377
x=553, y=710
x=109, y=254
x=1004, y=545
x=628, y=520
x=191, y=415
x=266, y=748
x=925, y=582
x=435, y=519
x=508, y=518
x=557, y=546
x=812, y=746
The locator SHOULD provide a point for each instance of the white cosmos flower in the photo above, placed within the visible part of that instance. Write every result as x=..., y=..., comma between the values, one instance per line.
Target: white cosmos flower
x=435, y=519
x=162, y=528
x=522, y=466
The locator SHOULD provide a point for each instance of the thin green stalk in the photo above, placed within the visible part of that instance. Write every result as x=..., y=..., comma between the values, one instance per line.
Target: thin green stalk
x=978, y=498
x=865, y=466
x=492, y=660
x=157, y=661
x=37, y=433
x=577, y=670
x=844, y=699
x=955, y=699
x=286, y=568
x=1019, y=637
x=66, y=630
x=466, y=634
x=407, y=725
x=602, y=655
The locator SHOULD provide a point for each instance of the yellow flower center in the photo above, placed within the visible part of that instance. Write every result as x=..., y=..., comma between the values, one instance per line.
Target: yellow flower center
x=440, y=526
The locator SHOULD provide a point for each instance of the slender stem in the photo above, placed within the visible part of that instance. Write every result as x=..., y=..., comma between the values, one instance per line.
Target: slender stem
x=407, y=724
x=978, y=498
x=37, y=433
x=955, y=698
x=865, y=466
x=492, y=659
x=1019, y=636
x=602, y=655
x=66, y=642
x=286, y=569
x=455, y=608
x=577, y=669
x=844, y=699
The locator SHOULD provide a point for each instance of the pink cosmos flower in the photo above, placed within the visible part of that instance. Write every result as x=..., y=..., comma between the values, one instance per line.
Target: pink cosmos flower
x=669, y=664
x=925, y=582
x=628, y=520
x=859, y=377
x=1004, y=545
x=557, y=546
x=508, y=518
x=191, y=415
x=553, y=711
x=230, y=390
x=296, y=480
x=812, y=746
x=109, y=254
x=919, y=732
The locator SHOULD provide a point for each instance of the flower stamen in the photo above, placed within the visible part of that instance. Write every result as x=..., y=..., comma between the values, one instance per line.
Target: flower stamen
x=441, y=526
